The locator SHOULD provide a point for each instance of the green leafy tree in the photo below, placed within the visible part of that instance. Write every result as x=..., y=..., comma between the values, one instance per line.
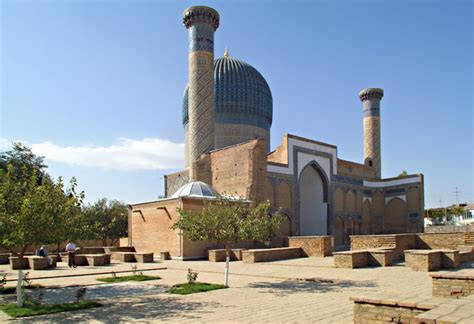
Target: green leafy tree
x=404, y=174
x=32, y=214
x=106, y=220
x=33, y=207
x=23, y=161
x=226, y=222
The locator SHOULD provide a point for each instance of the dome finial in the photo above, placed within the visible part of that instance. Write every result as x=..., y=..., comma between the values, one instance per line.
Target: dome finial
x=226, y=53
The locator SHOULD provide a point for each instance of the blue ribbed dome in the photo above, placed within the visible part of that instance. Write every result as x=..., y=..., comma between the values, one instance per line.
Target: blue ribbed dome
x=241, y=95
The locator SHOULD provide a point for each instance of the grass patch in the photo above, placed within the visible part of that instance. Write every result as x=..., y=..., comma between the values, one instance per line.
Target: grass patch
x=12, y=290
x=191, y=288
x=41, y=309
x=139, y=277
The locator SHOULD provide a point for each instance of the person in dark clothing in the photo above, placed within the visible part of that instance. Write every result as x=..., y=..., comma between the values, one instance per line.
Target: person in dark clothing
x=43, y=252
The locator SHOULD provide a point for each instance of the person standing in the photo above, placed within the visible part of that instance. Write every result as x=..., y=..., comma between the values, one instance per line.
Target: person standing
x=71, y=249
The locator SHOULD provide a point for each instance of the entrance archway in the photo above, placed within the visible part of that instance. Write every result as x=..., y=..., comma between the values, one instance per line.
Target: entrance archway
x=313, y=187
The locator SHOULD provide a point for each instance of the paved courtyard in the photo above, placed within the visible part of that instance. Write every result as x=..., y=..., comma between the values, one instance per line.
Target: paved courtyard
x=299, y=290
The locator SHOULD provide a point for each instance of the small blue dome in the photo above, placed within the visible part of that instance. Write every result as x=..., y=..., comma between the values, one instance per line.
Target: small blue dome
x=241, y=95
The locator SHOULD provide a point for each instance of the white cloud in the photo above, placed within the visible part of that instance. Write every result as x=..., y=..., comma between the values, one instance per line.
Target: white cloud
x=126, y=154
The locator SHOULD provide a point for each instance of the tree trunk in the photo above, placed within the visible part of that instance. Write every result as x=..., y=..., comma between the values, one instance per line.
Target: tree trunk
x=19, y=284
x=19, y=290
x=227, y=258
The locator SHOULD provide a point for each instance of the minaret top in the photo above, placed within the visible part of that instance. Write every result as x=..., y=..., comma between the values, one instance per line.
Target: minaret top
x=200, y=14
x=226, y=53
x=371, y=93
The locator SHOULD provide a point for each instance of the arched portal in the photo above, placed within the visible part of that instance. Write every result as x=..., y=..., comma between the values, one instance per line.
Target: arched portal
x=395, y=216
x=313, y=187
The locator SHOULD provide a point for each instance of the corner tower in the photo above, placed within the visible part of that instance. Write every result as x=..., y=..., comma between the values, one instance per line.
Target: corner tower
x=201, y=23
x=371, y=98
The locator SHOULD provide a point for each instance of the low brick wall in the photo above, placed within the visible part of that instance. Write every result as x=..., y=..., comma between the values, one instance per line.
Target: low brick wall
x=450, y=259
x=452, y=286
x=91, y=250
x=320, y=246
x=364, y=242
x=397, y=242
x=439, y=240
x=412, y=310
x=4, y=258
x=380, y=257
x=219, y=255
x=466, y=256
x=423, y=260
x=351, y=259
x=263, y=255
x=374, y=310
x=401, y=242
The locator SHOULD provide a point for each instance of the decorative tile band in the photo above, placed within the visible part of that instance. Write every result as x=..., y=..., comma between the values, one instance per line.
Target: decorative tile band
x=372, y=111
x=201, y=38
x=395, y=191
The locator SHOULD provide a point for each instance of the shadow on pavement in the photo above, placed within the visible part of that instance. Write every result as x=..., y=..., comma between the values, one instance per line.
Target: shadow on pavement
x=309, y=285
x=158, y=308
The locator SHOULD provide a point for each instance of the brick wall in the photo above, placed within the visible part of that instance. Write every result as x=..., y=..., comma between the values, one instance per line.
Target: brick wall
x=363, y=242
x=150, y=227
x=439, y=240
x=378, y=313
x=238, y=170
x=312, y=245
x=352, y=169
x=263, y=255
x=452, y=286
x=401, y=242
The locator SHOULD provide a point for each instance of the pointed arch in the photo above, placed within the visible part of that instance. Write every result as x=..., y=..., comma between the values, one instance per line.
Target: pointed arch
x=349, y=201
x=338, y=200
x=313, y=200
x=270, y=192
x=395, y=216
x=313, y=164
x=367, y=217
x=284, y=195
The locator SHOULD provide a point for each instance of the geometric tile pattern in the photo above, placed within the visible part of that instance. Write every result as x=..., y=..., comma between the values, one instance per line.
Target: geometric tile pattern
x=372, y=143
x=201, y=22
x=201, y=104
x=370, y=98
x=174, y=183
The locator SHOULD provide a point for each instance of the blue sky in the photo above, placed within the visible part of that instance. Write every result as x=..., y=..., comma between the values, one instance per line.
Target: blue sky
x=97, y=86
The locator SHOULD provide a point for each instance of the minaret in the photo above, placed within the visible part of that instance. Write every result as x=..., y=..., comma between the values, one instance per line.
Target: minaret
x=201, y=23
x=370, y=98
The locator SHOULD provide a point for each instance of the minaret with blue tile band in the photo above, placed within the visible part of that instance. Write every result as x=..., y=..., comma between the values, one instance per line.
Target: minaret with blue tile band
x=201, y=23
x=371, y=98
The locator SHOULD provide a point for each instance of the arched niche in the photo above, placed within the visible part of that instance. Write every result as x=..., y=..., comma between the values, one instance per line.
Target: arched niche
x=395, y=216
x=367, y=217
x=313, y=194
x=284, y=195
x=270, y=193
x=413, y=199
x=349, y=204
x=338, y=200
